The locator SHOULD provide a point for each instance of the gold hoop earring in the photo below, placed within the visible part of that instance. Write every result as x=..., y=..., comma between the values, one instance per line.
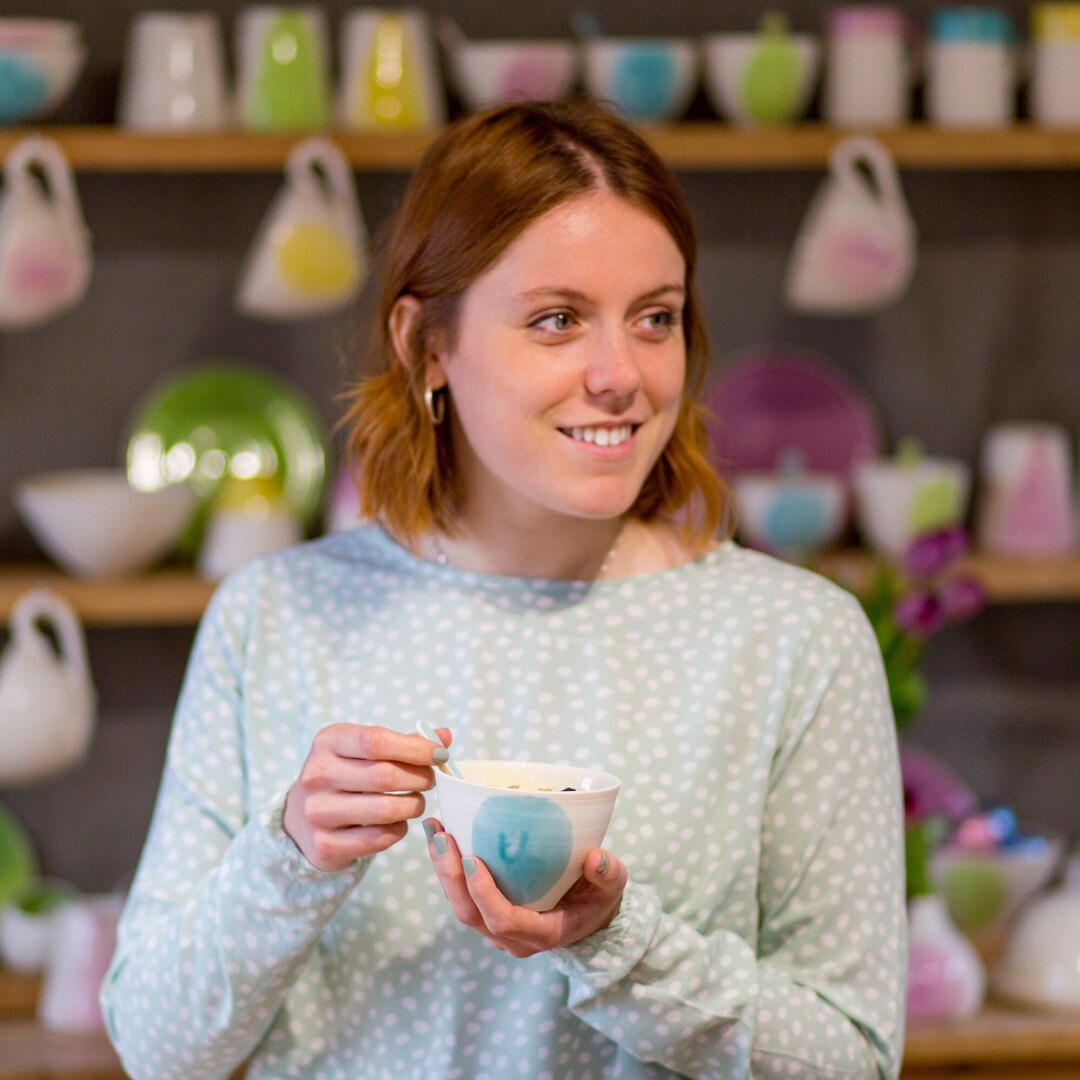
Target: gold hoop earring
x=435, y=405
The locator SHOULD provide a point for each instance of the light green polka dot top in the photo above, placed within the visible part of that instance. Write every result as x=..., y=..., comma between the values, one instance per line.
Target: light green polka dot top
x=741, y=701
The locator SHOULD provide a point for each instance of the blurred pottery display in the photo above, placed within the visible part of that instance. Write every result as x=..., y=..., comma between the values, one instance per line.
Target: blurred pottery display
x=869, y=67
x=174, y=73
x=1054, y=95
x=84, y=937
x=47, y=699
x=648, y=80
x=27, y=924
x=1025, y=505
x=855, y=250
x=899, y=499
x=309, y=256
x=40, y=59
x=250, y=517
x=45, y=259
x=490, y=73
x=18, y=860
x=227, y=419
x=762, y=79
x=390, y=79
x=282, y=65
x=95, y=524
x=946, y=978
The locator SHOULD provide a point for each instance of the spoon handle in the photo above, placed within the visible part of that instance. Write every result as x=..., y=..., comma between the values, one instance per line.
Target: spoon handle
x=448, y=766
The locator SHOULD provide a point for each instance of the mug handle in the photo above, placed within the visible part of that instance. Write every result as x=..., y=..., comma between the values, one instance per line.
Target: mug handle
x=316, y=163
x=35, y=150
x=844, y=157
x=43, y=604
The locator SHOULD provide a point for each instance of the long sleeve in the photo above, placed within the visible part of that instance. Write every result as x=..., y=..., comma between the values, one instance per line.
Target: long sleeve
x=819, y=992
x=224, y=910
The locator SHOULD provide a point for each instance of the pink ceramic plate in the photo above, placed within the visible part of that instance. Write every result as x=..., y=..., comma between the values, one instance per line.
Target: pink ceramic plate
x=769, y=402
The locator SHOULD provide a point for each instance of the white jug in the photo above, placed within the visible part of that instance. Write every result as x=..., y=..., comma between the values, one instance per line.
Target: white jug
x=45, y=259
x=47, y=698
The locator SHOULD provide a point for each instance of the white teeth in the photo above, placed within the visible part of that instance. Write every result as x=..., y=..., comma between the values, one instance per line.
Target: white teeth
x=602, y=436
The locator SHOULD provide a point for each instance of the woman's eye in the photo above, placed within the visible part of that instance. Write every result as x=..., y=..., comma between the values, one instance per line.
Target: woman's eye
x=558, y=321
x=660, y=322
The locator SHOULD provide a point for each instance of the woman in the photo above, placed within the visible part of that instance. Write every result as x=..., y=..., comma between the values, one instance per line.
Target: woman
x=543, y=580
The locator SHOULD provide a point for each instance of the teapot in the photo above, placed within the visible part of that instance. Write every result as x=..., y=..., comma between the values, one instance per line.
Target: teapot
x=47, y=698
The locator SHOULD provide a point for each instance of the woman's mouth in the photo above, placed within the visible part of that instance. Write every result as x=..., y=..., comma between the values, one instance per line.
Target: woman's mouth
x=601, y=436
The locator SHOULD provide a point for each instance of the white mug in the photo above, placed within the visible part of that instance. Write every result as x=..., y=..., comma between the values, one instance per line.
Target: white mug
x=174, y=73
x=282, y=68
x=855, y=251
x=309, y=256
x=389, y=73
x=1055, y=75
x=1025, y=504
x=45, y=260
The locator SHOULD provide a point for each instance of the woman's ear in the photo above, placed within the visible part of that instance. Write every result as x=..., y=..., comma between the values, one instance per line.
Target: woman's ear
x=405, y=319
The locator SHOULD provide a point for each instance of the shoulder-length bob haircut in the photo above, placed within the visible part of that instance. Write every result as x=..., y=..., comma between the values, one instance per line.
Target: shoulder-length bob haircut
x=476, y=188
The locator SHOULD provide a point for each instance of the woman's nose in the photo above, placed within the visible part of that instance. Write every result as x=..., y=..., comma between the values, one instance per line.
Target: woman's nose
x=613, y=369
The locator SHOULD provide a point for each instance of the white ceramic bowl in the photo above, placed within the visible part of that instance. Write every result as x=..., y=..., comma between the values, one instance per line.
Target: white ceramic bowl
x=533, y=841
x=1040, y=964
x=728, y=59
x=790, y=515
x=892, y=500
x=649, y=80
x=490, y=73
x=40, y=59
x=94, y=524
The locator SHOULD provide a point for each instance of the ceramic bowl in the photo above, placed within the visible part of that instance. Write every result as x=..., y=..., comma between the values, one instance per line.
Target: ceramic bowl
x=649, y=80
x=532, y=835
x=40, y=59
x=488, y=73
x=895, y=502
x=740, y=86
x=94, y=524
x=26, y=924
x=787, y=515
x=1040, y=964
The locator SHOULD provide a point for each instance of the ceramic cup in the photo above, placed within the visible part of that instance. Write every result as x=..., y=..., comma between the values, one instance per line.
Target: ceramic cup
x=282, y=67
x=309, y=256
x=1055, y=68
x=45, y=260
x=390, y=77
x=532, y=835
x=855, y=250
x=1025, y=499
x=174, y=74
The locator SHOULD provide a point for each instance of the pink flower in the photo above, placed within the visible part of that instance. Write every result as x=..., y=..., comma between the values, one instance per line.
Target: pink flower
x=932, y=552
x=918, y=613
x=960, y=598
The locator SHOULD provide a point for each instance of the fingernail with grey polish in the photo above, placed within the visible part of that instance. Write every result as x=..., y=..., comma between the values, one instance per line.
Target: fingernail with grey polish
x=440, y=843
x=469, y=865
x=440, y=755
x=429, y=829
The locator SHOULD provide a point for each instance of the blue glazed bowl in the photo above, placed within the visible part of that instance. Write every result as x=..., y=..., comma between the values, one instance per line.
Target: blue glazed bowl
x=40, y=60
x=648, y=80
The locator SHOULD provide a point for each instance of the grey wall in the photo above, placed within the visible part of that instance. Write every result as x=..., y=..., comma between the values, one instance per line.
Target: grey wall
x=987, y=333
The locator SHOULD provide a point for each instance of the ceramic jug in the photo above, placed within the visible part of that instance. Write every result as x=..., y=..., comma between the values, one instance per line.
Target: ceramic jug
x=47, y=698
x=44, y=243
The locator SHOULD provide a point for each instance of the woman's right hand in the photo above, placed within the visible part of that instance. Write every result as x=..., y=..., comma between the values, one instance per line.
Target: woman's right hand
x=357, y=791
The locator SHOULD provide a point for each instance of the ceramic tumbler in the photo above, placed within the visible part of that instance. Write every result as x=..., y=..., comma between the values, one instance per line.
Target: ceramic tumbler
x=1055, y=75
x=282, y=64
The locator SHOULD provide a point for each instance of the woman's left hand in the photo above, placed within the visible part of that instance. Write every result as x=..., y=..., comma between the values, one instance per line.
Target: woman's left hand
x=590, y=905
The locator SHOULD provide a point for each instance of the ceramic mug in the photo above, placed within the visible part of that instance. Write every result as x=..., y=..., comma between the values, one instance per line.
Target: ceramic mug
x=174, y=74
x=855, y=251
x=389, y=75
x=1025, y=505
x=1055, y=75
x=309, y=256
x=45, y=259
x=47, y=698
x=282, y=68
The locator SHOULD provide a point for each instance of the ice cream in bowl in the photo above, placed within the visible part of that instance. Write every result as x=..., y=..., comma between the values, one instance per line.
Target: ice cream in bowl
x=531, y=823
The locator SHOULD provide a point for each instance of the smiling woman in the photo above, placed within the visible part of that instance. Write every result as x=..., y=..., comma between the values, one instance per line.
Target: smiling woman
x=543, y=578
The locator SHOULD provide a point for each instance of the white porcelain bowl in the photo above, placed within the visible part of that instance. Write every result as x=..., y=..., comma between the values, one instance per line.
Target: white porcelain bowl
x=533, y=841
x=649, y=80
x=790, y=515
x=490, y=73
x=94, y=524
x=893, y=500
x=40, y=59
x=728, y=59
x=1040, y=964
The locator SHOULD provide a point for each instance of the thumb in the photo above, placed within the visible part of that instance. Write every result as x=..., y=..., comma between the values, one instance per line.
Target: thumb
x=605, y=871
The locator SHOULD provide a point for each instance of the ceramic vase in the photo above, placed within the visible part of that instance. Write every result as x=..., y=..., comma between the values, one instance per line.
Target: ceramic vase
x=946, y=979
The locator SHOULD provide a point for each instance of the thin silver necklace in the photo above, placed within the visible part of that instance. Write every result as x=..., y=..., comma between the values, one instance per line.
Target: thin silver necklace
x=442, y=559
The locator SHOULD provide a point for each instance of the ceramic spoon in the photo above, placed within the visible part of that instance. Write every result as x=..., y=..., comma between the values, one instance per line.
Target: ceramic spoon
x=448, y=766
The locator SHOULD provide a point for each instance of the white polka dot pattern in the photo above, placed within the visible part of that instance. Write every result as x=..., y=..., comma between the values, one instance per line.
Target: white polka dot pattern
x=742, y=703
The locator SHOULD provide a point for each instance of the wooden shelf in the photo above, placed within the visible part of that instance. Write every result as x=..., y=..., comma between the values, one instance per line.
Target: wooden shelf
x=177, y=597
x=692, y=146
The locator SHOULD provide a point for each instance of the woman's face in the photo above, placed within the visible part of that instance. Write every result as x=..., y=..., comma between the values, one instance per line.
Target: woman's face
x=567, y=372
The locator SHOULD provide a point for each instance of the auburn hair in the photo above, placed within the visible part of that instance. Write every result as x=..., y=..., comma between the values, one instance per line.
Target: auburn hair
x=477, y=187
